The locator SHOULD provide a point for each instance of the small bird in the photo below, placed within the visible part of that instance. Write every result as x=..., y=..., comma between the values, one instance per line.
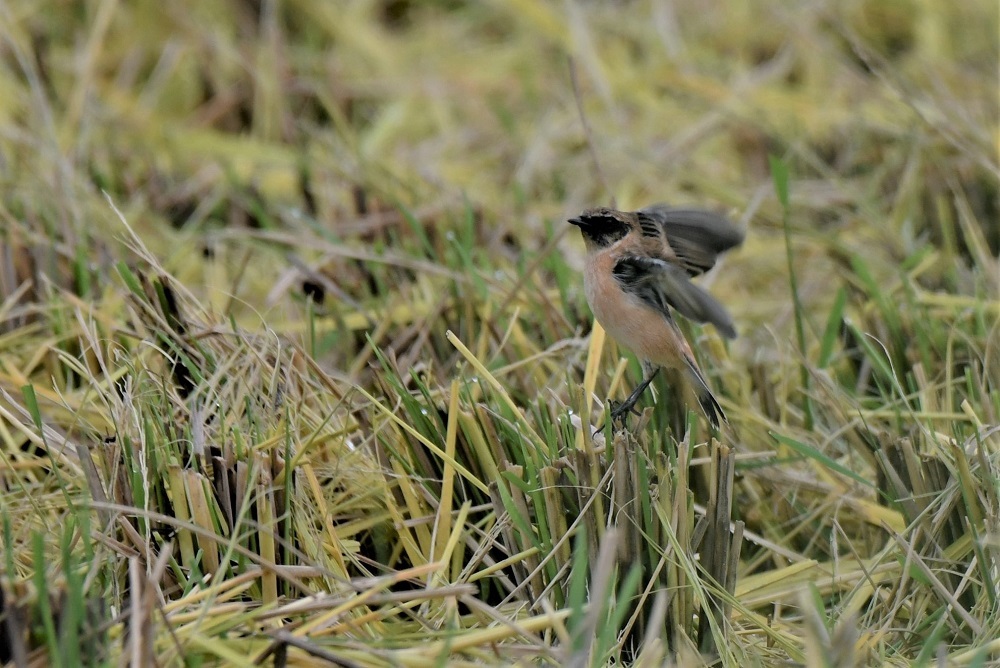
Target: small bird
x=638, y=270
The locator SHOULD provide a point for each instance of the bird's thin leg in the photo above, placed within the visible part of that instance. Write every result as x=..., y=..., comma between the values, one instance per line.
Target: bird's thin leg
x=627, y=405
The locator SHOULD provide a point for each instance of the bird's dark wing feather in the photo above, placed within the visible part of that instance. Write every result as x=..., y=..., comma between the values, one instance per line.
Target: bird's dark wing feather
x=662, y=285
x=695, y=235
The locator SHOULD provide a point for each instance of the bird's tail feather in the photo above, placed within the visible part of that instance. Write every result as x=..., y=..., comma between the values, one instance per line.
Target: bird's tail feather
x=709, y=404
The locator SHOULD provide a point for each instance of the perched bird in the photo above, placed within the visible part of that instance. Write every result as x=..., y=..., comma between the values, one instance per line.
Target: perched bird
x=638, y=271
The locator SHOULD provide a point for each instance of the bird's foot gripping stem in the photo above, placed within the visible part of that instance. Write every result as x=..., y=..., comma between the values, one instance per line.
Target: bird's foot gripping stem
x=619, y=410
x=623, y=408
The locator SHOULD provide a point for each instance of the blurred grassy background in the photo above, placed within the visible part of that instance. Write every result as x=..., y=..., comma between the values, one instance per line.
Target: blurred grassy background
x=288, y=309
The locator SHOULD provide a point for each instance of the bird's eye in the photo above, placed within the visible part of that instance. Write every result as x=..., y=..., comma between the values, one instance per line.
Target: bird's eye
x=600, y=223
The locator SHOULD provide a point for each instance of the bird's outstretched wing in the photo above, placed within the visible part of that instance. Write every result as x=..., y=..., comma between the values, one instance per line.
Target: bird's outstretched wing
x=697, y=237
x=662, y=285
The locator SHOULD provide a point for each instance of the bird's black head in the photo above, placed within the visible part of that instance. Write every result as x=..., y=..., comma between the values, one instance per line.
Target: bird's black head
x=601, y=227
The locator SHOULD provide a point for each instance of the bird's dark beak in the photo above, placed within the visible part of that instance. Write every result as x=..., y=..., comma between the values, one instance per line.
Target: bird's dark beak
x=576, y=221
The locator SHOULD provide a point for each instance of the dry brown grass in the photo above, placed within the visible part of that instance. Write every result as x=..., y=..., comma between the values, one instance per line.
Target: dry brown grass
x=295, y=365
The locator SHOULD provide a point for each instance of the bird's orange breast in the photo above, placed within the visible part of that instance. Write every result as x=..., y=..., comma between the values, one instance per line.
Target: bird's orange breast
x=640, y=328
